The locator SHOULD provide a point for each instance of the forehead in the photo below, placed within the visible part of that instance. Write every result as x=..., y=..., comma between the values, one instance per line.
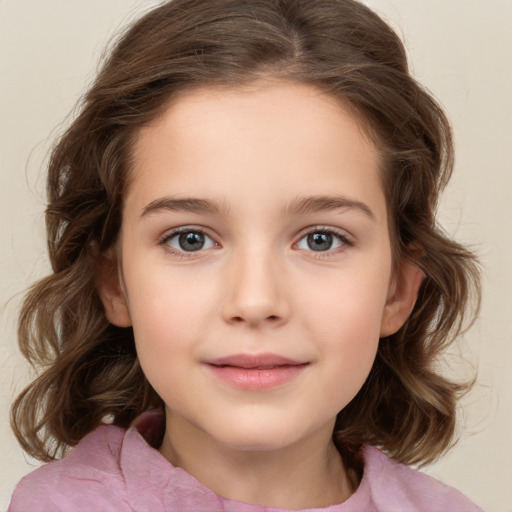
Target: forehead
x=255, y=142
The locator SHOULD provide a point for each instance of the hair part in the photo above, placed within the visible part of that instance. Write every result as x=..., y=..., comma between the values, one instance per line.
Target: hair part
x=89, y=368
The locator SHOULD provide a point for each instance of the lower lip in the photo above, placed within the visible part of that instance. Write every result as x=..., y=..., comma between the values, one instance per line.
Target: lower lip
x=257, y=379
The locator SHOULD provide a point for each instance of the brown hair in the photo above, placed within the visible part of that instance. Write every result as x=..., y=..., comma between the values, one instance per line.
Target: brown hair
x=89, y=368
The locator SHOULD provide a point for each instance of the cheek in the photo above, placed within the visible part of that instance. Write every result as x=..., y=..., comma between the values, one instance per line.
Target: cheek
x=348, y=352
x=167, y=330
x=168, y=310
x=344, y=317
x=349, y=302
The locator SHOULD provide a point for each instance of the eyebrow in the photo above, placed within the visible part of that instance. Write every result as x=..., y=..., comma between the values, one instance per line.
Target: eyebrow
x=312, y=204
x=186, y=204
x=298, y=206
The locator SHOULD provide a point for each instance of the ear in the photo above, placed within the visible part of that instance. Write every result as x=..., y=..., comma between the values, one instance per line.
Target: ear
x=111, y=292
x=402, y=296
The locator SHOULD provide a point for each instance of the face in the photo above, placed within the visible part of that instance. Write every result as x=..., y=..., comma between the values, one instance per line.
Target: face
x=256, y=263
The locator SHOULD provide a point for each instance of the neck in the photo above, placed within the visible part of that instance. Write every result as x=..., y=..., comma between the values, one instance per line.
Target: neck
x=307, y=474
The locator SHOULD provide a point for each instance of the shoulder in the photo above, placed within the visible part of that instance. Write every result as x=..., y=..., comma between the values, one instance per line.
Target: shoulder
x=396, y=487
x=113, y=470
x=79, y=480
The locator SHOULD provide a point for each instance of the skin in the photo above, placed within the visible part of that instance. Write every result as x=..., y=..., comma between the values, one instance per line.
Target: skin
x=258, y=285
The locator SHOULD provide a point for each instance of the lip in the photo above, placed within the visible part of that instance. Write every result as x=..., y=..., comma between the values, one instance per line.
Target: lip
x=256, y=372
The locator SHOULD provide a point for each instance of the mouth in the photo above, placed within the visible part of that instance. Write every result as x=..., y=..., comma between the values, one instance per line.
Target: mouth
x=256, y=372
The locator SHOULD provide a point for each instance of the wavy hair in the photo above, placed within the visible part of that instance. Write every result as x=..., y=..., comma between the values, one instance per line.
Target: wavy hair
x=88, y=368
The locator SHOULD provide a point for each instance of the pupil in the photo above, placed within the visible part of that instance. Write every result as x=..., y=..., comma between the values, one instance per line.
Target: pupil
x=191, y=241
x=320, y=241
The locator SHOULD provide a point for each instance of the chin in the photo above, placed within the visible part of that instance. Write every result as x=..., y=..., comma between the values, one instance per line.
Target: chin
x=259, y=438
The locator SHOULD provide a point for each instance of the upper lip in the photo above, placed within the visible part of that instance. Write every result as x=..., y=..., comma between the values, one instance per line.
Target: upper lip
x=254, y=361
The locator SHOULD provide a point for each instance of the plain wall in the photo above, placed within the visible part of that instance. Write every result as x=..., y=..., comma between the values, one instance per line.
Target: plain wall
x=460, y=49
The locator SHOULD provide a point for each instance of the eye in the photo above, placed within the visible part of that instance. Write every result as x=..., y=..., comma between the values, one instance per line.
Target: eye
x=188, y=240
x=322, y=240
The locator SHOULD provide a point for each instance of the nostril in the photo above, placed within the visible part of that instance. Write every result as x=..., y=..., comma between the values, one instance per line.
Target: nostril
x=239, y=319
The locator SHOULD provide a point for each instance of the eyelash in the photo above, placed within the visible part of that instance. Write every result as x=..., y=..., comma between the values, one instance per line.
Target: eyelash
x=167, y=237
x=340, y=235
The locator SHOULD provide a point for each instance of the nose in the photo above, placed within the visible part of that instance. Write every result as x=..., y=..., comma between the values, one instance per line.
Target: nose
x=256, y=292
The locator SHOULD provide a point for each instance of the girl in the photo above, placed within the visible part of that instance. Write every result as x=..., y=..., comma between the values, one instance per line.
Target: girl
x=249, y=288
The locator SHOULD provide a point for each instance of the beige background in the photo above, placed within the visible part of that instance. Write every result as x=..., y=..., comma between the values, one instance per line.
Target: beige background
x=460, y=49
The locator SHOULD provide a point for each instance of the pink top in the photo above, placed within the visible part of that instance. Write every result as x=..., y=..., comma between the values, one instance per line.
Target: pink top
x=116, y=470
